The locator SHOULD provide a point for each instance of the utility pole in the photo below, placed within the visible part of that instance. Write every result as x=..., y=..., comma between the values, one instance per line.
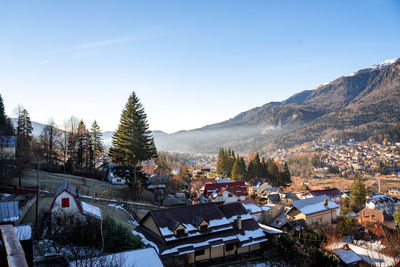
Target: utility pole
x=37, y=192
x=134, y=175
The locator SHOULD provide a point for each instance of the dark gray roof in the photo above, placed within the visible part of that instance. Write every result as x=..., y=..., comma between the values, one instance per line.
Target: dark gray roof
x=274, y=198
x=70, y=188
x=9, y=211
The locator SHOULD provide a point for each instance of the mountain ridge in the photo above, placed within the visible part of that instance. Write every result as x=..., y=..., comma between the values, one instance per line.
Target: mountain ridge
x=328, y=108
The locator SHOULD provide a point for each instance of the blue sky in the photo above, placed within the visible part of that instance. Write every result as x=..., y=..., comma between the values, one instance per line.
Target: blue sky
x=191, y=63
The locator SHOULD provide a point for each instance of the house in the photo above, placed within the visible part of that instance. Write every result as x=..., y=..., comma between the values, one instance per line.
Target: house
x=8, y=145
x=66, y=205
x=201, y=234
x=140, y=257
x=354, y=255
x=275, y=216
x=197, y=185
x=226, y=192
x=253, y=208
x=333, y=193
x=256, y=183
x=149, y=166
x=382, y=202
x=394, y=191
x=320, y=210
x=373, y=216
x=112, y=177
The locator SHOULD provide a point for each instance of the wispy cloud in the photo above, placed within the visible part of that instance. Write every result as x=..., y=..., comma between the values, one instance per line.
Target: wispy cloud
x=44, y=61
x=104, y=43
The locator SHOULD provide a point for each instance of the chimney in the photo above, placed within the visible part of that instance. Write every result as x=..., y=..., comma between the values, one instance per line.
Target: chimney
x=239, y=222
x=326, y=202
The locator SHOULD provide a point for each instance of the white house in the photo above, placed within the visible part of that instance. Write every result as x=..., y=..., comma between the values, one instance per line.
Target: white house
x=226, y=192
x=66, y=205
x=112, y=177
x=223, y=195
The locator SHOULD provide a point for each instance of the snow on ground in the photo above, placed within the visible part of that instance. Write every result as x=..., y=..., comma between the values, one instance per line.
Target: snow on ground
x=91, y=210
x=373, y=245
x=140, y=257
x=23, y=232
x=145, y=241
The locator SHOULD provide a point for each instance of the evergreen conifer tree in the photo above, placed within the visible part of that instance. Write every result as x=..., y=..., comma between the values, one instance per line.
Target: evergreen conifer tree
x=24, y=138
x=132, y=143
x=220, y=160
x=358, y=194
x=95, y=144
x=6, y=127
x=239, y=169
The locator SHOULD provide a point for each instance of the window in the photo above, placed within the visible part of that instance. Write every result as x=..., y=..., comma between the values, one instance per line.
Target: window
x=203, y=227
x=199, y=252
x=230, y=195
x=180, y=232
x=58, y=221
x=65, y=202
x=229, y=247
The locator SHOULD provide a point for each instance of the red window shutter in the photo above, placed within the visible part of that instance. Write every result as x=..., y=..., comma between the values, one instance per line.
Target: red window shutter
x=65, y=202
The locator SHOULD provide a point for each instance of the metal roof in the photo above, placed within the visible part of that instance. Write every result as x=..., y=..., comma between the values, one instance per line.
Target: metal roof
x=9, y=211
x=70, y=188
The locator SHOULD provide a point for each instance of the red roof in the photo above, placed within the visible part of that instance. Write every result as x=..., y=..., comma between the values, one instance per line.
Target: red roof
x=236, y=188
x=333, y=192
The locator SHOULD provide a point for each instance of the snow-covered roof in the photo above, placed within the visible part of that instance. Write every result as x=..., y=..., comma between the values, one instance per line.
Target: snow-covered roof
x=91, y=210
x=270, y=230
x=141, y=257
x=314, y=205
x=380, y=198
x=347, y=256
x=369, y=256
x=23, y=232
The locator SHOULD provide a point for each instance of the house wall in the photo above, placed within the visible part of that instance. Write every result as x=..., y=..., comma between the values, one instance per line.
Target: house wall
x=205, y=256
x=255, y=247
x=226, y=198
x=232, y=252
x=370, y=216
x=149, y=223
x=243, y=250
x=73, y=205
x=271, y=213
x=217, y=252
x=324, y=218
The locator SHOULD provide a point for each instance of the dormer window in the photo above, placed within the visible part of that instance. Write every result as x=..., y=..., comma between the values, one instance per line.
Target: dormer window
x=180, y=232
x=203, y=227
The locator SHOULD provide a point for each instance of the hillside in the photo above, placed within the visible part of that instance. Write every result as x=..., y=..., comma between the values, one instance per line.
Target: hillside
x=355, y=105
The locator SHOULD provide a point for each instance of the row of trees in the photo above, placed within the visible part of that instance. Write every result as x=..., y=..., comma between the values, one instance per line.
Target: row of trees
x=229, y=165
x=76, y=146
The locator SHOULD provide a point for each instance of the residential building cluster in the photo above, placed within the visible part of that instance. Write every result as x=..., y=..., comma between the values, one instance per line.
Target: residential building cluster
x=349, y=156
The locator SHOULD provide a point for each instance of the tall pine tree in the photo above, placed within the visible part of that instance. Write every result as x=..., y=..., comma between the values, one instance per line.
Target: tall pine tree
x=6, y=127
x=239, y=169
x=95, y=145
x=358, y=194
x=24, y=138
x=132, y=143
